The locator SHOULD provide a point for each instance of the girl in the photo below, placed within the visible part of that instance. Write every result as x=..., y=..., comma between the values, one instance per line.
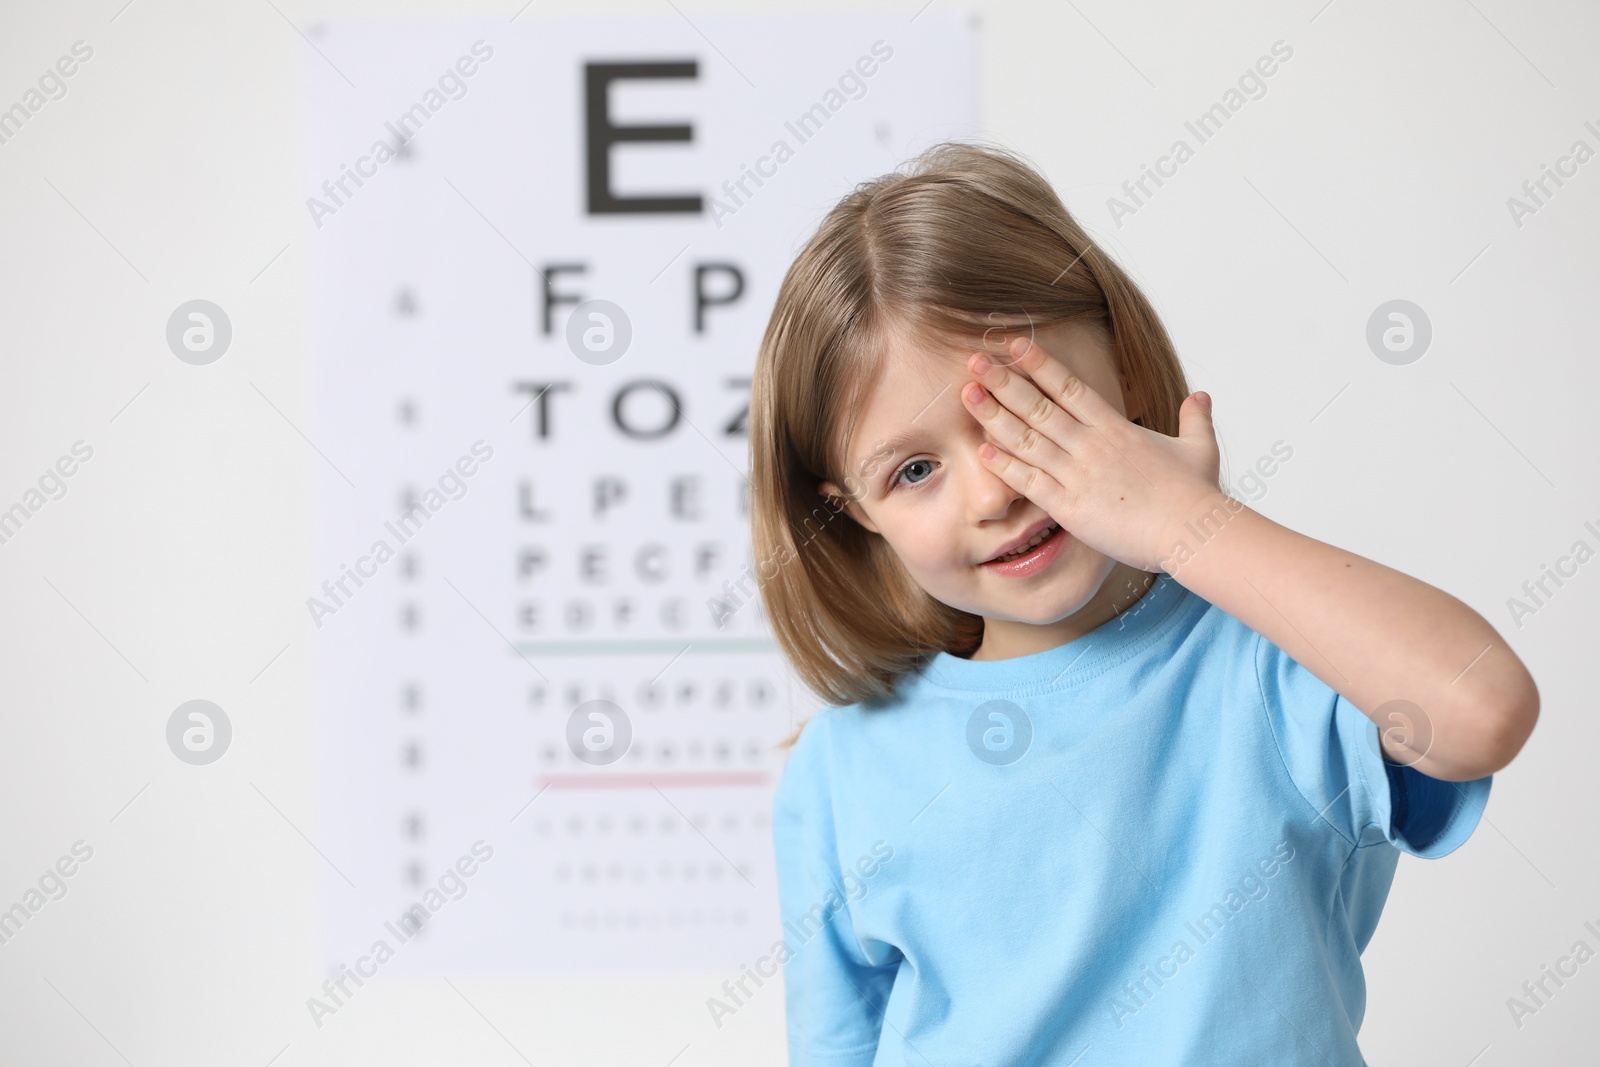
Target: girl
x=1113, y=768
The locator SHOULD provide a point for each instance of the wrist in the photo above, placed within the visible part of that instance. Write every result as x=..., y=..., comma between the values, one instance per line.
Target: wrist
x=1193, y=526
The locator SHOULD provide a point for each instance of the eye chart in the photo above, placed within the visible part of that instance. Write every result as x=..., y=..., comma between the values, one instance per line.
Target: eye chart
x=541, y=256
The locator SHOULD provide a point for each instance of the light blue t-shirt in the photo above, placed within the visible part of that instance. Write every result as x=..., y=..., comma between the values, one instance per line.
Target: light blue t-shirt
x=1165, y=842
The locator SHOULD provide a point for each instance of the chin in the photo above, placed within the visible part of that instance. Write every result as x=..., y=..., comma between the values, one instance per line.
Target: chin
x=1044, y=615
x=1068, y=592
x=1041, y=608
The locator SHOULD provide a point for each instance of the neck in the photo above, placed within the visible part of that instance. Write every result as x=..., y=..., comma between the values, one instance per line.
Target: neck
x=1122, y=588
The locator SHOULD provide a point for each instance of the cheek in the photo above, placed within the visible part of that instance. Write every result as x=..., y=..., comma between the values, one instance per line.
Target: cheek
x=926, y=550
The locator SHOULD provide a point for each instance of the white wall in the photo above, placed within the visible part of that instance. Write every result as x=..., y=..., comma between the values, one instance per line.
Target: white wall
x=1377, y=166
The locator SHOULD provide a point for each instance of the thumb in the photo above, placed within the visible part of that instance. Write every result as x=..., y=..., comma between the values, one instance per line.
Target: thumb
x=1194, y=416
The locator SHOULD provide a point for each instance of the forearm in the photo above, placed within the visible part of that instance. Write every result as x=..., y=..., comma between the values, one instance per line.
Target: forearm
x=1370, y=632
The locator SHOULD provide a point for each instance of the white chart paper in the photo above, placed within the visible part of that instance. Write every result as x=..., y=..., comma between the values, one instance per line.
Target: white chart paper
x=505, y=531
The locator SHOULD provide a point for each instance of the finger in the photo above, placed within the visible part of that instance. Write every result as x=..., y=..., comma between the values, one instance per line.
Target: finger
x=1021, y=396
x=1069, y=392
x=1009, y=431
x=1027, y=479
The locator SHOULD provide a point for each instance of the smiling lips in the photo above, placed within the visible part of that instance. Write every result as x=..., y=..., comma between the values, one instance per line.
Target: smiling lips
x=1023, y=546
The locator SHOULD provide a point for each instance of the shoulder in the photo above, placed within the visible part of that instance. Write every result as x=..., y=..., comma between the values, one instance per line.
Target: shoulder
x=1202, y=633
x=805, y=772
x=812, y=743
x=835, y=745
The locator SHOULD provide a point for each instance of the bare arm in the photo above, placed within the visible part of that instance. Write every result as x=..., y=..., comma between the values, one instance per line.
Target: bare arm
x=1371, y=633
x=1151, y=500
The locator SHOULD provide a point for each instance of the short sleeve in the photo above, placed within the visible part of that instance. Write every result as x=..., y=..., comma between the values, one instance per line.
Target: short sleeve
x=834, y=995
x=1331, y=751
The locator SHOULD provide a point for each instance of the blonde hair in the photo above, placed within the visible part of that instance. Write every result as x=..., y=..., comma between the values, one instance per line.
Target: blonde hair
x=970, y=239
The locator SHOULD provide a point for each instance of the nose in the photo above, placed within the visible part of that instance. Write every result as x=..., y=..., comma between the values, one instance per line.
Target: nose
x=988, y=495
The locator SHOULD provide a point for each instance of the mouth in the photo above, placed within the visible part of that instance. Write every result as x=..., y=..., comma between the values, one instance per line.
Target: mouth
x=1033, y=556
x=1026, y=545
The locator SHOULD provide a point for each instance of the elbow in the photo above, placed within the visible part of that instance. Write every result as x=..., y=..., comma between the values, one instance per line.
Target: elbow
x=1504, y=726
x=1516, y=725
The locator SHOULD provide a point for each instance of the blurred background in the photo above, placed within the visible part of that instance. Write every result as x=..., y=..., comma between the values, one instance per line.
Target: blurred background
x=373, y=529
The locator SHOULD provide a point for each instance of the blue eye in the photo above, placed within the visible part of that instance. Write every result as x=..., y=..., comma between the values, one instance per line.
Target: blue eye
x=914, y=463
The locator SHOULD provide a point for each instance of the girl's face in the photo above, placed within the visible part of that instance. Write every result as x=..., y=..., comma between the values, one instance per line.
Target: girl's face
x=921, y=486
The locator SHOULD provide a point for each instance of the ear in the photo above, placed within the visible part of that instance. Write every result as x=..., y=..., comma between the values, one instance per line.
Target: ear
x=851, y=507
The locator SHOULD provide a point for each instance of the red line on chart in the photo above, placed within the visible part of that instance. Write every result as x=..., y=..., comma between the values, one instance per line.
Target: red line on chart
x=702, y=779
